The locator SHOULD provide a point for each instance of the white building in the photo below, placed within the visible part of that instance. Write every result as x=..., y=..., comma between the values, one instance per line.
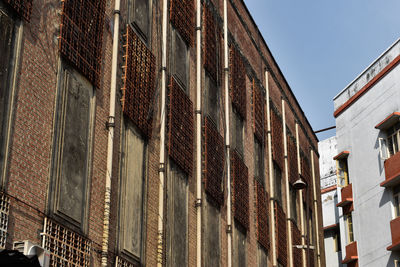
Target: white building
x=329, y=196
x=367, y=115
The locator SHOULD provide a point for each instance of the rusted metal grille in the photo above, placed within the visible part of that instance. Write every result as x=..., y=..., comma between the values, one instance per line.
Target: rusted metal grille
x=292, y=159
x=66, y=247
x=180, y=131
x=277, y=139
x=22, y=7
x=258, y=112
x=212, y=45
x=81, y=36
x=139, y=82
x=182, y=18
x=240, y=190
x=297, y=253
x=4, y=212
x=281, y=234
x=237, y=81
x=262, y=216
x=214, y=162
x=121, y=262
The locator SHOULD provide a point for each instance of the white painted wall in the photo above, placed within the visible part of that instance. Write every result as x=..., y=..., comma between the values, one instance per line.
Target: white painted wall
x=355, y=131
x=327, y=150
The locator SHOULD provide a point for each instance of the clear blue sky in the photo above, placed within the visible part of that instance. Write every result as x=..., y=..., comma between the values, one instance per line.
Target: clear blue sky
x=322, y=45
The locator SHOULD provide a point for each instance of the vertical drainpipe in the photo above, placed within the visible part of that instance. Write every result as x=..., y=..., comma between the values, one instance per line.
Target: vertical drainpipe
x=110, y=127
x=227, y=138
x=198, y=133
x=315, y=210
x=303, y=234
x=161, y=170
x=289, y=212
x=271, y=173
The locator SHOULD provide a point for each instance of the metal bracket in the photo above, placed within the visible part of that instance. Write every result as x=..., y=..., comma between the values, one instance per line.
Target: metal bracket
x=229, y=229
x=198, y=28
x=117, y=12
x=161, y=168
x=198, y=203
x=197, y=111
x=226, y=69
x=110, y=123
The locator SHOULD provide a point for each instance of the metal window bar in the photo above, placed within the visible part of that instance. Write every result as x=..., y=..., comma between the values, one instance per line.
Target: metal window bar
x=121, y=262
x=4, y=212
x=66, y=247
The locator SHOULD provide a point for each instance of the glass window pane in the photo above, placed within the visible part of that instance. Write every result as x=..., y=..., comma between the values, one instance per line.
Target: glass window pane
x=132, y=199
x=6, y=40
x=177, y=217
x=180, y=59
x=73, y=174
x=141, y=16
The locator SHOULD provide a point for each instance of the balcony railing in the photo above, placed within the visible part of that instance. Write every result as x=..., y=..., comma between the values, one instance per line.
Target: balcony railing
x=395, y=229
x=392, y=171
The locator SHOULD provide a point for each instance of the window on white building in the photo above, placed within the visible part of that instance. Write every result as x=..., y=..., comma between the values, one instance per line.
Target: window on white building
x=396, y=196
x=393, y=139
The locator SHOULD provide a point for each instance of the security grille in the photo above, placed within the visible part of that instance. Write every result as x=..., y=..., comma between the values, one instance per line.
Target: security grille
x=237, y=81
x=240, y=199
x=120, y=262
x=182, y=18
x=258, y=112
x=65, y=246
x=281, y=234
x=22, y=7
x=262, y=216
x=212, y=45
x=139, y=82
x=4, y=212
x=180, y=127
x=277, y=138
x=214, y=162
x=81, y=36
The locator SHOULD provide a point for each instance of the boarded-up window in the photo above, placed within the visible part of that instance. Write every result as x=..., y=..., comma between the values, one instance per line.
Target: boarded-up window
x=177, y=217
x=6, y=45
x=180, y=59
x=259, y=162
x=239, y=246
x=237, y=132
x=212, y=243
x=132, y=192
x=72, y=149
x=212, y=107
x=262, y=257
x=293, y=203
x=278, y=183
x=139, y=16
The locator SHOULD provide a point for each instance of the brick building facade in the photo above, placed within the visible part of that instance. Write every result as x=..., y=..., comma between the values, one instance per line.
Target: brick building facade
x=55, y=79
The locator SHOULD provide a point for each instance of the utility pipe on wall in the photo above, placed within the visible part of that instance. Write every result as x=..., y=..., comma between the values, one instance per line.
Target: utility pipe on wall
x=198, y=132
x=288, y=204
x=161, y=170
x=303, y=239
x=227, y=139
x=315, y=209
x=271, y=173
x=110, y=126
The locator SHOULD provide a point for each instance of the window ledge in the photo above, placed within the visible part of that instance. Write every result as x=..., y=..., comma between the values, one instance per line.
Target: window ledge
x=342, y=155
x=389, y=121
x=345, y=202
x=392, y=181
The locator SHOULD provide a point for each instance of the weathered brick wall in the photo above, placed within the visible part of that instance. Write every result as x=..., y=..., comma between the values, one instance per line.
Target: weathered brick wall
x=33, y=126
